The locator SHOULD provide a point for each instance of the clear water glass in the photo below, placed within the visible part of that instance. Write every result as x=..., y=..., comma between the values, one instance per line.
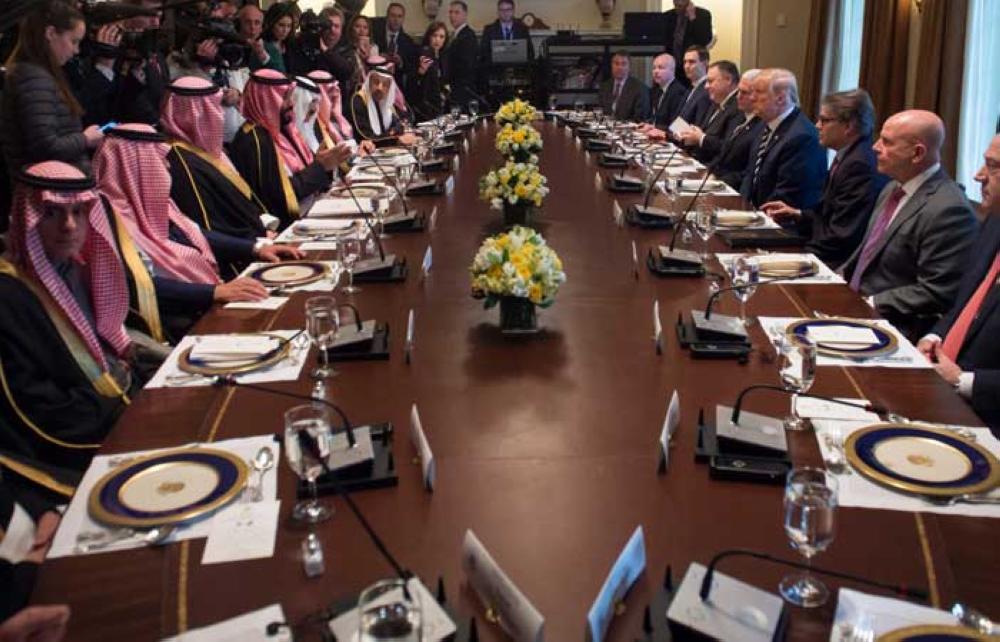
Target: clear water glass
x=322, y=326
x=797, y=358
x=598, y=113
x=349, y=251
x=578, y=108
x=553, y=102
x=810, y=506
x=473, y=108
x=307, y=463
x=389, y=612
x=745, y=275
x=704, y=224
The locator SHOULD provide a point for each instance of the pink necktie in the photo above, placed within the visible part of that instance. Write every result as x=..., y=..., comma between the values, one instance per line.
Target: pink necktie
x=871, y=245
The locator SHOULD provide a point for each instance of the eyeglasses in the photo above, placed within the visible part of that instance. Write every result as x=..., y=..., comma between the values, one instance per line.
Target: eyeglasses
x=824, y=120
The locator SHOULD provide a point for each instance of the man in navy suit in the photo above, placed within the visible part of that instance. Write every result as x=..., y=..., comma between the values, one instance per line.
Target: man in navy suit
x=506, y=27
x=666, y=96
x=837, y=225
x=397, y=46
x=786, y=161
x=697, y=103
x=461, y=56
x=705, y=143
x=963, y=345
x=734, y=156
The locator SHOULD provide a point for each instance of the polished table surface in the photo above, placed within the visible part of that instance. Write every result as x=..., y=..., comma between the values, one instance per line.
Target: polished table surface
x=546, y=446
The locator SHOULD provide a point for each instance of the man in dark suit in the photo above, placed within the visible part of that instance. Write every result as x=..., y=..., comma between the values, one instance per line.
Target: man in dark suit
x=395, y=44
x=506, y=27
x=731, y=164
x=622, y=96
x=837, y=225
x=697, y=103
x=705, y=144
x=786, y=161
x=963, y=345
x=917, y=244
x=688, y=26
x=666, y=96
x=461, y=56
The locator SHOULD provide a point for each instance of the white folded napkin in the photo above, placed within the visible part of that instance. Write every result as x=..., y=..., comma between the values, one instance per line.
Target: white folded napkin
x=321, y=226
x=232, y=348
x=340, y=207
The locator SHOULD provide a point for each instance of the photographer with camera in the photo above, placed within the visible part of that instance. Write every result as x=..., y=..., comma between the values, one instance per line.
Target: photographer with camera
x=40, y=116
x=143, y=73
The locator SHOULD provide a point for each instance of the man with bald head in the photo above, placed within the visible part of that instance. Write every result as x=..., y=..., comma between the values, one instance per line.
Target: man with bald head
x=786, y=161
x=963, y=346
x=920, y=232
x=668, y=94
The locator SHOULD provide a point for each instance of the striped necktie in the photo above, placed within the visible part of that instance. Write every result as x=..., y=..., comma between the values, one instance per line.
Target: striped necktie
x=765, y=142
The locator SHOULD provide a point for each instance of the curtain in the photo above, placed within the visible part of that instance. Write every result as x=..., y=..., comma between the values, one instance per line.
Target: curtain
x=818, y=70
x=884, y=56
x=941, y=59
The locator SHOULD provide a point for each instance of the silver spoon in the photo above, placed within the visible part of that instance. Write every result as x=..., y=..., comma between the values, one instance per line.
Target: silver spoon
x=152, y=537
x=973, y=619
x=263, y=461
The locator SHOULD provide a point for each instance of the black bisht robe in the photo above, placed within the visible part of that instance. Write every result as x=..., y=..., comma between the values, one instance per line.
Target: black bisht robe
x=363, y=129
x=256, y=159
x=211, y=199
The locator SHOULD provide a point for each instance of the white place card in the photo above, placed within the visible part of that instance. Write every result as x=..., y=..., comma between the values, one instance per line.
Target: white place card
x=250, y=627
x=617, y=214
x=435, y=623
x=671, y=421
x=246, y=533
x=517, y=615
x=419, y=440
x=432, y=219
x=812, y=408
x=734, y=610
x=837, y=334
x=635, y=260
x=408, y=346
x=597, y=180
x=657, y=326
x=425, y=265
x=449, y=185
x=630, y=564
x=679, y=126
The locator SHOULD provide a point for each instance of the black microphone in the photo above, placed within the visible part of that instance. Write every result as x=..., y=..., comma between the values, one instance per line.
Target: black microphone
x=869, y=407
x=230, y=380
x=392, y=183
x=706, y=582
x=683, y=220
x=645, y=210
x=367, y=218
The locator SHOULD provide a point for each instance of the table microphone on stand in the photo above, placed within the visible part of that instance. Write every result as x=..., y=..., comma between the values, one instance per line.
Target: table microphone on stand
x=706, y=583
x=367, y=218
x=645, y=209
x=869, y=407
x=392, y=184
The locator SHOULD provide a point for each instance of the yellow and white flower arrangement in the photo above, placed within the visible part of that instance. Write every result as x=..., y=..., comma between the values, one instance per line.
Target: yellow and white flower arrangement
x=519, y=142
x=519, y=264
x=514, y=184
x=515, y=112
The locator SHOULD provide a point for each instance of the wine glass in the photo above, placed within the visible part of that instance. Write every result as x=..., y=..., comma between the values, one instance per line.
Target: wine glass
x=798, y=371
x=598, y=114
x=553, y=102
x=810, y=505
x=389, y=612
x=349, y=250
x=322, y=325
x=307, y=445
x=745, y=275
x=404, y=174
x=704, y=224
x=473, y=108
x=456, y=113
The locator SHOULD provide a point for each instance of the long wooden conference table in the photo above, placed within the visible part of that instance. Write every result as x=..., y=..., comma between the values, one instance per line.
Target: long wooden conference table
x=546, y=447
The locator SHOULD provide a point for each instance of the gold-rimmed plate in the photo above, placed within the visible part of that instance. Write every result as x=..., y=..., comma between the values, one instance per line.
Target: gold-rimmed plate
x=885, y=342
x=290, y=273
x=186, y=363
x=933, y=633
x=922, y=460
x=362, y=191
x=167, y=488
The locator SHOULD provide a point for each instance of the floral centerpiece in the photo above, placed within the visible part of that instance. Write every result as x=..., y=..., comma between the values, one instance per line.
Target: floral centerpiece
x=515, y=112
x=520, y=143
x=519, y=271
x=515, y=189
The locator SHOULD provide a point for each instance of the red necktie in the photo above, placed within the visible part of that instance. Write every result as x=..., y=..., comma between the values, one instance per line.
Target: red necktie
x=956, y=335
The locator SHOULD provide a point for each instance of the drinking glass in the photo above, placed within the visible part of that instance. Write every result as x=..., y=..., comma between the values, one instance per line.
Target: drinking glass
x=810, y=505
x=745, y=275
x=349, y=251
x=404, y=174
x=389, y=612
x=322, y=325
x=307, y=445
x=456, y=113
x=473, y=109
x=798, y=371
x=578, y=107
x=599, y=114
x=704, y=224
x=553, y=102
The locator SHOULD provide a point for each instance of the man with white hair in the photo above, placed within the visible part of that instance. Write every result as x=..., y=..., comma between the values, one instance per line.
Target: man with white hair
x=963, y=345
x=786, y=160
x=732, y=162
x=916, y=248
